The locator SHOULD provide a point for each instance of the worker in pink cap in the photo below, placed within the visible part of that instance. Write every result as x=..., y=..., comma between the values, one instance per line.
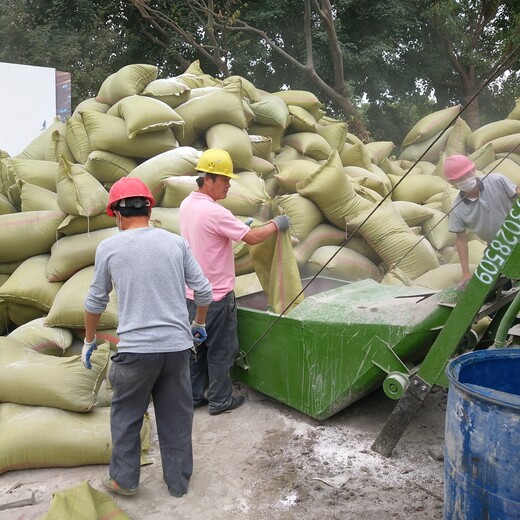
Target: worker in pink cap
x=481, y=206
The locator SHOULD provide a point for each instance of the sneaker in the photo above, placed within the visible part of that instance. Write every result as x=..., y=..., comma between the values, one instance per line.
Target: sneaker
x=235, y=403
x=200, y=403
x=112, y=485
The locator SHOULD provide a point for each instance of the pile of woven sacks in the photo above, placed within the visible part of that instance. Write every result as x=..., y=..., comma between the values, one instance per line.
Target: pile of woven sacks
x=358, y=210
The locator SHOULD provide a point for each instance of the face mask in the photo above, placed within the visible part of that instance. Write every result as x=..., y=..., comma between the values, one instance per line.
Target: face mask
x=466, y=185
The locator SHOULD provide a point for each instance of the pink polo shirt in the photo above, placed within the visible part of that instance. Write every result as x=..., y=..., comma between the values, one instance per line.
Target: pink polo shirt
x=210, y=230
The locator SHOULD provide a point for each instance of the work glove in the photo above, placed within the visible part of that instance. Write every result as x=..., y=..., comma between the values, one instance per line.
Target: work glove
x=198, y=331
x=87, y=350
x=282, y=222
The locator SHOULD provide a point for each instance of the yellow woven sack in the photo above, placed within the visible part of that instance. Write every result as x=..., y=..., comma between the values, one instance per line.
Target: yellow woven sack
x=32, y=378
x=491, y=131
x=68, y=309
x=515, y=113
x=145, y=114
x=166, y=218
x=79, y=193
x=168, y=90
x=246, y=195
x=302, y=120
x=83, y=502
x=273, y=132
x=40, y=173
x=334, y=133
x=412, y=213
x=301, y=98
x=73, y=225
x=308, y=143
x=436, y=230
x=90, y=104
x=72, y=253
x=109, y=133
x=507, y=143
x=341, y=263
x=321, y=235
x=52, y=341
x=108, y=167
x=291, y=173
x=58, y=144
x=356, y=155
x=304, y=214
x=127, y=81
x=428, y=150
x=443, y=277
x=330, y=189
x=5, y=206
x=271, y=111
x=34, y=198
x=28, y=285
x=262, y=147
x=416, y=187
x=456, y=144
x=200, y=113
x=37, y=148
x=28, y=234
x=235, y=141
x=391, y=238
x=176, y=189
x=506, y=167
x=431, y=125
x=249, y=91
x=178, y=162
x=43, y=437
x=379, y=150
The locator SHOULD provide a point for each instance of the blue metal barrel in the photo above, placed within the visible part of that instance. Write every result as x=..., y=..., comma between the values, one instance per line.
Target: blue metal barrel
x=482, y=453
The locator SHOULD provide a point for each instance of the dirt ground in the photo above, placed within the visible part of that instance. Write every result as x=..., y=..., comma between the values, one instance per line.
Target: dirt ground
x=268, y=461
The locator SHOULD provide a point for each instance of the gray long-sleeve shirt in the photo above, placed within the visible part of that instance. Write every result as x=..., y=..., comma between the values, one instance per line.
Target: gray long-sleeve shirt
x=149, y=269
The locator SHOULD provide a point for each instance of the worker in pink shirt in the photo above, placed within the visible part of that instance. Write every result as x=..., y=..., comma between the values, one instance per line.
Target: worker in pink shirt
x=210, y=230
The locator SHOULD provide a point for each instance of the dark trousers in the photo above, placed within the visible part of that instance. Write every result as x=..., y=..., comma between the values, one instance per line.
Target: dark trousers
x=217, y=354
x=166, y=378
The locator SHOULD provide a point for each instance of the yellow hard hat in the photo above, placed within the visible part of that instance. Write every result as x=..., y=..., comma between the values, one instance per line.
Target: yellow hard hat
x=218, y=162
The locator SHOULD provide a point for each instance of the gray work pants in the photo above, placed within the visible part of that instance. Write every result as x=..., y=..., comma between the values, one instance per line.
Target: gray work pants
x=166, y=378
x=217, y=354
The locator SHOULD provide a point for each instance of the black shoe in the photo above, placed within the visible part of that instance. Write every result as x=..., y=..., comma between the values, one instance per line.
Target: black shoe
x=176, y=494
x=200, y=402
x=235, y=403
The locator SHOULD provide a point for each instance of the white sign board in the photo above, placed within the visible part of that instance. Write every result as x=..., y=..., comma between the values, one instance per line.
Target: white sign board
x=27, y=104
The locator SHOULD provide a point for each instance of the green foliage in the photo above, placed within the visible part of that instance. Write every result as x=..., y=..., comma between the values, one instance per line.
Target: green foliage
x=394, y=53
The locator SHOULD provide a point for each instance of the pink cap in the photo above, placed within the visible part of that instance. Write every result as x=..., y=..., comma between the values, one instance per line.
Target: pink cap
x=455, y=166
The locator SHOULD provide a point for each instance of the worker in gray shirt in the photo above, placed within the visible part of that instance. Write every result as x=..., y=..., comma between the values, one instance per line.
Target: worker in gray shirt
x=149, y=269
x=481, y=206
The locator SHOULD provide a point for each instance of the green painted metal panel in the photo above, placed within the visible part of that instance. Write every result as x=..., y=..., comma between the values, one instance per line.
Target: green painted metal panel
x=338, y=345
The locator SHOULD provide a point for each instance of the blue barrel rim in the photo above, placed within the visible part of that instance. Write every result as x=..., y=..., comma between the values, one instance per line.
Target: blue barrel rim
x=457, y=364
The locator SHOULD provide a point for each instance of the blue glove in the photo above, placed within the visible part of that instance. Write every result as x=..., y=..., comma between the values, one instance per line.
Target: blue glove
x=248, y=222
x=282, y=222
x=87, y=350
x=198, y=331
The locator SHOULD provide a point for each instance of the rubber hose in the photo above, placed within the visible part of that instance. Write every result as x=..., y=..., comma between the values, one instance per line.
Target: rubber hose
x=505, y=324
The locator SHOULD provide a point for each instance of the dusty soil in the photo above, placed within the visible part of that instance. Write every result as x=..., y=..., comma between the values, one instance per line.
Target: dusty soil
x=268, y=461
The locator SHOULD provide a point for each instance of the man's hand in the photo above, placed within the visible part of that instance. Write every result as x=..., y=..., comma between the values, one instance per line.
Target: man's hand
x=282, y=222
x=198, y=331
x=86, y=352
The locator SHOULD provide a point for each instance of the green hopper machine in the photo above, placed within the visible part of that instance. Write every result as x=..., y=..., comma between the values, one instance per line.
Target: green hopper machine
x=344, y=339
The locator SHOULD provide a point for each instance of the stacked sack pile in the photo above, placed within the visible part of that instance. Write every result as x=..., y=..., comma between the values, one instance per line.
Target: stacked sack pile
x=291, y=158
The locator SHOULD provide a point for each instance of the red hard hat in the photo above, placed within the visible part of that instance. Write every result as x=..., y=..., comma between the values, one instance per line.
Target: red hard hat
x=455, y=166
x=128, y=187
